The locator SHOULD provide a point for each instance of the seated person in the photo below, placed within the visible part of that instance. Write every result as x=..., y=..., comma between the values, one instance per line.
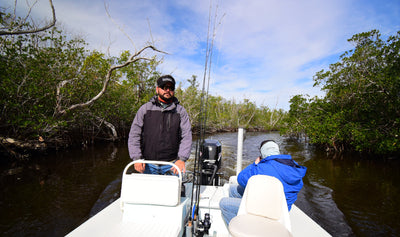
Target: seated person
x=271, y=163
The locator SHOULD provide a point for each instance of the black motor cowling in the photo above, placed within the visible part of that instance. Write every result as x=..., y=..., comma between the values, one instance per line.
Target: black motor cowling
x=210, y=161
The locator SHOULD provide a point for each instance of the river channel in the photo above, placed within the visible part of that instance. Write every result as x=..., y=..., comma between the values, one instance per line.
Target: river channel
x=347, y=196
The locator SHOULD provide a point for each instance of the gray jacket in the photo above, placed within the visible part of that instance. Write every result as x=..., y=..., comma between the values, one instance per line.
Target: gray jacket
x=159, y=133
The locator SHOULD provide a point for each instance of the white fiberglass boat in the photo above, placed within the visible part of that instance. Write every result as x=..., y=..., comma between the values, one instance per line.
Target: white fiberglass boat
x=157, y=205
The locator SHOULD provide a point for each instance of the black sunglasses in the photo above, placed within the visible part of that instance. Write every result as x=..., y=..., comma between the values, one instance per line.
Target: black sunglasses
x=171, y=88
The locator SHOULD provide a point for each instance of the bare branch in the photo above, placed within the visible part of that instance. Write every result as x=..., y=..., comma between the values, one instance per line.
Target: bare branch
x=122, y=30
x=58, y=95
x=114, y=135
x=151, y=34
x=15, y=31
x=27, y=14
x=134, y=58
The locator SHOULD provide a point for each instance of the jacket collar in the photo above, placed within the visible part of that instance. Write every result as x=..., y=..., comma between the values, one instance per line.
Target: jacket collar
x=173, y=105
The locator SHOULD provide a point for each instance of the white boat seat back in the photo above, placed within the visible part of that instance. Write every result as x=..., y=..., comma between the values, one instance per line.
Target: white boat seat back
x=264, y=197
x=263, y=209
x=150, y=189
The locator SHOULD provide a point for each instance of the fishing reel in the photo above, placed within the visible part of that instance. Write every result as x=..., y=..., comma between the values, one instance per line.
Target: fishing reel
x=210, y=155
x=203, y=226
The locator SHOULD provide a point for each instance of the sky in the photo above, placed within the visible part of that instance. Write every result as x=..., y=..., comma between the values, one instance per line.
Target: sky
x=265, y=51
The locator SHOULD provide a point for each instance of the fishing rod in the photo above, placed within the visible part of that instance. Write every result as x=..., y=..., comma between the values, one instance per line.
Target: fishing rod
x=194, y=203
x=199, y=227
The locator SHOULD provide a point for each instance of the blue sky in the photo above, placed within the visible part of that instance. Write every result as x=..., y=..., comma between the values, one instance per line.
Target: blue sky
x=265, y=50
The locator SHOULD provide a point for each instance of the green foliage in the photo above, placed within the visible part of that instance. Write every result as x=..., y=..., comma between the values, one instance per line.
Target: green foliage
x=361, y=107
x=44, y=73
x=225, y=115
x=133, y=86
x=34, y=66
x=190, y=98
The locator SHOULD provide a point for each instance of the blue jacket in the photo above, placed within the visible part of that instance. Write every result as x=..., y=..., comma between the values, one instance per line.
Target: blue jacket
x=284, y=168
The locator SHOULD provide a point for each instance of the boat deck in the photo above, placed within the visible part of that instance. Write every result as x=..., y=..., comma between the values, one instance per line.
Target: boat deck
x=109, y=222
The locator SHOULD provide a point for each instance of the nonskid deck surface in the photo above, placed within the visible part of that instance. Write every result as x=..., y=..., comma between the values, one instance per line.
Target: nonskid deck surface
x=110, y=221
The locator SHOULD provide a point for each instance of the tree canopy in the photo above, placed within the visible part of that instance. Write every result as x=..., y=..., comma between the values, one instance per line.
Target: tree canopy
x=56, y=92
x=361, y=108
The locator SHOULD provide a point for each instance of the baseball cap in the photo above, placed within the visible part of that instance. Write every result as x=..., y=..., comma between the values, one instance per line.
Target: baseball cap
x=164, y=80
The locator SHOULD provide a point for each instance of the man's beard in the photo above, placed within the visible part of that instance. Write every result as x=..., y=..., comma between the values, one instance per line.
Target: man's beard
x=165, y=99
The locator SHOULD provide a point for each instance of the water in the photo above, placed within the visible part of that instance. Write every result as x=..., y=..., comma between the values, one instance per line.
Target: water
x=53, y=195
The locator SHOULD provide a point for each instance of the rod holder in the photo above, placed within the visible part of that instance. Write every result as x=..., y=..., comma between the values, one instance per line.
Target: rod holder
x=239, y=151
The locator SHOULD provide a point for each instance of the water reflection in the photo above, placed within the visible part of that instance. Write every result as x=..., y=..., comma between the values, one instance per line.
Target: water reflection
x=53, y=195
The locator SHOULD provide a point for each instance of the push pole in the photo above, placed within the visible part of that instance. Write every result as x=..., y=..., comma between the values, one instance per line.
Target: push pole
x=239, y=151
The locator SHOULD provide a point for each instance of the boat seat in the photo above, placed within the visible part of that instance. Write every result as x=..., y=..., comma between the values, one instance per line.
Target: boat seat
x=162, y=190
x=150, y=189
x=263, y=210
x=152, y=204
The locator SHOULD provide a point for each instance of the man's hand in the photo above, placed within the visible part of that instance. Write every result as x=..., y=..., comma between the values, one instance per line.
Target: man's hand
x=181, y=166
x=139, y=167
x=258, y=160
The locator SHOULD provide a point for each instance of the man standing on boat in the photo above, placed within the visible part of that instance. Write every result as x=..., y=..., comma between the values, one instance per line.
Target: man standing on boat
x=271, y=163
x=161, y=131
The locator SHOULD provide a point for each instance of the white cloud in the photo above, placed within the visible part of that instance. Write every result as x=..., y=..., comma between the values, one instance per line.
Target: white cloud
x=265, y=50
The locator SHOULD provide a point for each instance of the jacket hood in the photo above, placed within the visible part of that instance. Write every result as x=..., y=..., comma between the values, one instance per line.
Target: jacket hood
x=293, y=172
x=282, y=167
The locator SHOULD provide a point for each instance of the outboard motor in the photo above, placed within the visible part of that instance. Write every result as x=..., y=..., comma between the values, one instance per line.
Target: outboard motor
x=210, y=162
